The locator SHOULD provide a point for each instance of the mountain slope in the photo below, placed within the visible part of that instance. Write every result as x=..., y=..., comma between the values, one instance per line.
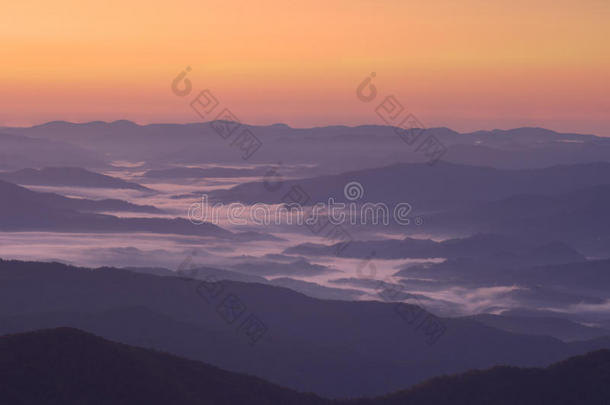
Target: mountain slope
x=561, y=328
x=67, y=176
x=18, y=200
x=25, y=210
x=18, y=151
x=442, y=186
x=497, y=248
x=332, y=348
x=575, y=381
x=579, y=218
x=66, y=366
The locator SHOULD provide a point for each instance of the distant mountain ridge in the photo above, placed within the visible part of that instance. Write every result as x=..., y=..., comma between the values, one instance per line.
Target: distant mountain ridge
x=196, y=143
x=19, y=151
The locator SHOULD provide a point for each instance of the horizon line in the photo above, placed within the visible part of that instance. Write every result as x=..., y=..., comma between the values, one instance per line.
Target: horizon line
x=281, y=124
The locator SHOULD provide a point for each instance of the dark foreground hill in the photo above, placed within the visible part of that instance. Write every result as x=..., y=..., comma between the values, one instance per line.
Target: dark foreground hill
x=337, y=349
x=67, y=366
x=582, y=380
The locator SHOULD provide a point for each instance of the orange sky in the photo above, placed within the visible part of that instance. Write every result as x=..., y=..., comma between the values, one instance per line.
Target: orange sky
x=468, y=64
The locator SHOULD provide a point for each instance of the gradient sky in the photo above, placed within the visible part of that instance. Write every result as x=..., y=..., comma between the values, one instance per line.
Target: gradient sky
x=469, y=64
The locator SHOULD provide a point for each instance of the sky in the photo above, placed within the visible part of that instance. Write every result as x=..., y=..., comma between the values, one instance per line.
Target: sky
x=467, y=65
